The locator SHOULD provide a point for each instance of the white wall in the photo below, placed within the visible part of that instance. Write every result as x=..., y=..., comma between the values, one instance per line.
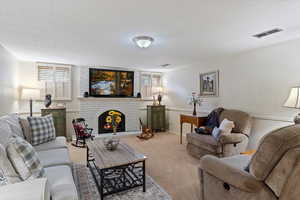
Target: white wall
x=256, y=81
x=8, y=82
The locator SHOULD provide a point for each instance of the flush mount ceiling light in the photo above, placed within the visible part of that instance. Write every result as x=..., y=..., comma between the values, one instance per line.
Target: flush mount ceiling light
x=143, y=41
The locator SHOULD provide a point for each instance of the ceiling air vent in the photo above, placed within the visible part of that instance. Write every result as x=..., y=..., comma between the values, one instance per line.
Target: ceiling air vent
x=266, y=33
x=165, y=65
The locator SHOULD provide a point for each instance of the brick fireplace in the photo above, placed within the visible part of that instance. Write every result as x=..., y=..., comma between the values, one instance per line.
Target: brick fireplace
x=91, y=108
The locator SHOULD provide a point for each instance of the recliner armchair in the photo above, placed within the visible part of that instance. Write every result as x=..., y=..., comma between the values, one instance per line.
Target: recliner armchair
x=199, y=145
x=273, y=172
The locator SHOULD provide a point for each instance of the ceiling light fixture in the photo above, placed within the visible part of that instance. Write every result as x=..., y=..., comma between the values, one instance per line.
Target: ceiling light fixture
x=143, y=41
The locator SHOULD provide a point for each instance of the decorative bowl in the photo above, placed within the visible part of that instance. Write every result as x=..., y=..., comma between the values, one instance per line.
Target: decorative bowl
x=111, y=143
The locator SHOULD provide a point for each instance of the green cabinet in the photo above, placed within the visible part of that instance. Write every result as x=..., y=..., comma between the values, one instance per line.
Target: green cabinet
x=59, y=118
x=156, y=117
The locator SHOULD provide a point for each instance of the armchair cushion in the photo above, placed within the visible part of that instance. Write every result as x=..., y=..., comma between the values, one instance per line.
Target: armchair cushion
x=230, y=173
x=206, y=142
x=232, y=138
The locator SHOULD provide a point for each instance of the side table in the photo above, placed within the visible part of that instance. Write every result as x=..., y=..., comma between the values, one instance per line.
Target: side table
x=193, y=120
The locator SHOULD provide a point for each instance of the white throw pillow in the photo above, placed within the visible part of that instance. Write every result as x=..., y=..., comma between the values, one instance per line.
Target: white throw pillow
x=226, y=127
x=24, y=159
x=13, y=121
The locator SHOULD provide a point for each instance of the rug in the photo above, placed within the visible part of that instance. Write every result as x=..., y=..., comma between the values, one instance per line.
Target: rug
x=87, y=189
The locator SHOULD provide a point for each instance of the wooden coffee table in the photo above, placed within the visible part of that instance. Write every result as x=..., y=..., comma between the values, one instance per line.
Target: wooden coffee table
x=115, y=171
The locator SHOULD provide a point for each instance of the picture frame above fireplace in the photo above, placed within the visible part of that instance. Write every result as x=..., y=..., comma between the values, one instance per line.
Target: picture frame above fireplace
x=111, y=83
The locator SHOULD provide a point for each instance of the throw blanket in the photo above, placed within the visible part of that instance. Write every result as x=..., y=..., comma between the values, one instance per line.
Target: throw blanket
x=211, y=123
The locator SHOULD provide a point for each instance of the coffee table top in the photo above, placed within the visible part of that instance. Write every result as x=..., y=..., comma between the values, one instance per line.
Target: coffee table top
x=104, y=158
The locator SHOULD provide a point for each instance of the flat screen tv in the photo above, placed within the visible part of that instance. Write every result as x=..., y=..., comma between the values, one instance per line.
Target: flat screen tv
x=111, y=83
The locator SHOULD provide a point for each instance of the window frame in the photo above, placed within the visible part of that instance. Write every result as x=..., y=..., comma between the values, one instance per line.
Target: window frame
x=152, y=74
x=68, y=96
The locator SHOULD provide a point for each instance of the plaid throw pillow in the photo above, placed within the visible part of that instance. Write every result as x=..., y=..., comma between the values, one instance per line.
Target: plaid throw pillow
x=24, y=159
x=42, y=129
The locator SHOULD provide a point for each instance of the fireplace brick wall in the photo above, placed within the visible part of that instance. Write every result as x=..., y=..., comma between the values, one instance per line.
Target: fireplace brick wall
x=91, y=108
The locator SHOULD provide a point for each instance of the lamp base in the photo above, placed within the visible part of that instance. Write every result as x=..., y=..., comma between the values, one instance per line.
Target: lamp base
x=297, y=119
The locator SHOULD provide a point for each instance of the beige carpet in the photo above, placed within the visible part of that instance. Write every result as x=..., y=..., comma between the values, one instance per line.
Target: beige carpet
x=168, y=164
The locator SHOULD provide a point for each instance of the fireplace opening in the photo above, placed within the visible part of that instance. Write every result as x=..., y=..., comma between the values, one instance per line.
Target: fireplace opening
x=105, y=121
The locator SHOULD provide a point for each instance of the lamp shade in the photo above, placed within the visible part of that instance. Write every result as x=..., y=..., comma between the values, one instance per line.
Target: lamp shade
x=293, y=101
x=158, y=90
x=30, y=94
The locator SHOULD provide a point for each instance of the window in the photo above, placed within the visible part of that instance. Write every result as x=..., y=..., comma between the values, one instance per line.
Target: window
x=55, y=80
x=150, y=81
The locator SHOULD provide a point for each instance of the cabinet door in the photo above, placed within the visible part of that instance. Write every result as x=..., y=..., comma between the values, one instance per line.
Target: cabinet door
x=158, y=118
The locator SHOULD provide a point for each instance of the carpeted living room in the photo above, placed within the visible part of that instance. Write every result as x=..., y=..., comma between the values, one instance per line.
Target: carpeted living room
x=160, y=100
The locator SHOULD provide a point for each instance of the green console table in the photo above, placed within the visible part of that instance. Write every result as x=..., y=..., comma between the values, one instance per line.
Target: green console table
x=156, y=117
x=59, y=118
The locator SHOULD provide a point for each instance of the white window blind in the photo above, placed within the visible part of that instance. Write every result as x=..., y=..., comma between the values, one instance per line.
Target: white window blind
x=149, y=81
x=56, y=80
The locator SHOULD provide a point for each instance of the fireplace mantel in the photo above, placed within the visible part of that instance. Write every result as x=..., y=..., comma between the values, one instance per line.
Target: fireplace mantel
x=109, y=99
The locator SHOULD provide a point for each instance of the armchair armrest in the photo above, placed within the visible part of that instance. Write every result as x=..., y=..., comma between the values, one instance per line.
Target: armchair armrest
x=229, y=174
x=233, y=138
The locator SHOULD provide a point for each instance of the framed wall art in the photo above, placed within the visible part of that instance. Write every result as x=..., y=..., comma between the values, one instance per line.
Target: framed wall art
x=209, y=84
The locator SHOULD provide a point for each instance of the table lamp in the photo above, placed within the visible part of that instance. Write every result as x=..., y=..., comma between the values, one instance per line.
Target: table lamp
x=30, y=94
x=293, y=101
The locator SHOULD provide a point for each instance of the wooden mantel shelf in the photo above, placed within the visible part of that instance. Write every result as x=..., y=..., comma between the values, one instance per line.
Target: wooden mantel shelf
x=109, y=99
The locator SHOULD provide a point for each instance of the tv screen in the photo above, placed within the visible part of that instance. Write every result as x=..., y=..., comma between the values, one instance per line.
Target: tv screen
x=111, y=83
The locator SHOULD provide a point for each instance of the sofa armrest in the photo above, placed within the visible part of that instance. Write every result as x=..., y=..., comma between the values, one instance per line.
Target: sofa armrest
x=233, y=138
x=36, y=189
x=229, y=174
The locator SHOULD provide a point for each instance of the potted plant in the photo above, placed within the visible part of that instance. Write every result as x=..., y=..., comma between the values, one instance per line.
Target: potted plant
x=194, y=100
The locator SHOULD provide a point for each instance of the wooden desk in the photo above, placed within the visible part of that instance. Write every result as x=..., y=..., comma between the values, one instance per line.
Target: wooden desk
x=193, y=120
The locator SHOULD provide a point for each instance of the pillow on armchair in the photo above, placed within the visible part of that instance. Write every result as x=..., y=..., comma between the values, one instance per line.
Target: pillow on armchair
x=225, y=128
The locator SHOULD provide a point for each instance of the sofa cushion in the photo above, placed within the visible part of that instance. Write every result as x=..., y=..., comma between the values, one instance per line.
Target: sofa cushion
x=203, y=141
x=42, y=129
x=7, y=171
x=54, y=157
x=242, y=120
x=13, y=121
x=57, y=143
x=271, y=149
x=61, y=183
x=24, y=159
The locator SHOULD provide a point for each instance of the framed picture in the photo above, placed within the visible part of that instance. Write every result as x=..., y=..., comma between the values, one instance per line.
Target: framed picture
x=209, y=84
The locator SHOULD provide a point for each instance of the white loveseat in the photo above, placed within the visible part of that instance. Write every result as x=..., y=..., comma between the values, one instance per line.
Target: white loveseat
x=54, y=156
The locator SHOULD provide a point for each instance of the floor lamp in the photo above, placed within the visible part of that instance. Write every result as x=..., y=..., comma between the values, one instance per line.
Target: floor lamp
x=30, y=94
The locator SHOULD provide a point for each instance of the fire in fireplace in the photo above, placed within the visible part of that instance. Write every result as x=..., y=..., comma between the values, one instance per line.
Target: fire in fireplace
x=105, y=121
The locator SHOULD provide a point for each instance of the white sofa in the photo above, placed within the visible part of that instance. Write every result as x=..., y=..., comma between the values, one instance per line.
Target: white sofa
x=53, y=155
